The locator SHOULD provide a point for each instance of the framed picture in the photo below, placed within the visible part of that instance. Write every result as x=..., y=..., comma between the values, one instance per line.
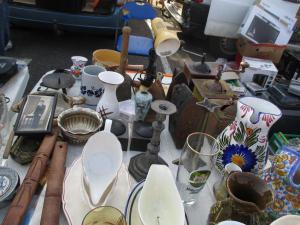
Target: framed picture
x=36, y=115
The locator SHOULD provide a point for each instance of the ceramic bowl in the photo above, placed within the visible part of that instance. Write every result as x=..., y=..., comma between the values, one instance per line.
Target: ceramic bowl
x=160, y=202
x=104, y=215
x=78, y=124
x=287, y=220
x=101, y=160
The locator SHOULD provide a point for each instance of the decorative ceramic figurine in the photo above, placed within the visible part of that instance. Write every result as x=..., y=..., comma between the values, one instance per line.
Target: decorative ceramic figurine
x=91, y=87
x=78, y=64
x=108, y=104
x=284, y=179
x=101, y=161
x=143, y=101
x=245, y=141
x=160, y=202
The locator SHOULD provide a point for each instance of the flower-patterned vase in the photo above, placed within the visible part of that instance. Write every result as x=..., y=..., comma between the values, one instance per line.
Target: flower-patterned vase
x=284, y=179
x=91, y=87
x=78, y=64
x=245, y=141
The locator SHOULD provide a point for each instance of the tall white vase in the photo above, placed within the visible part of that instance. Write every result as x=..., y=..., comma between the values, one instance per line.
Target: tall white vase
x=108, y=103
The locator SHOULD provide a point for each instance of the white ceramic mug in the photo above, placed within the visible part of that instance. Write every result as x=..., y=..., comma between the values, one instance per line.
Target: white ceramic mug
x=91, y=87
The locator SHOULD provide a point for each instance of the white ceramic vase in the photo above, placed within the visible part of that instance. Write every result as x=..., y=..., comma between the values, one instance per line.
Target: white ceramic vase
x=108, y=104
x=245, y=141
x=91, y=87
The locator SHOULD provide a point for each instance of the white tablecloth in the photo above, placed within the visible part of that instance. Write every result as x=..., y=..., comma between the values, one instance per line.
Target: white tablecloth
x=197, y=213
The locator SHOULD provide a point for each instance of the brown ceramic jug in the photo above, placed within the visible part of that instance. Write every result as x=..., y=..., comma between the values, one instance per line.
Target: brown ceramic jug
x=249, y=196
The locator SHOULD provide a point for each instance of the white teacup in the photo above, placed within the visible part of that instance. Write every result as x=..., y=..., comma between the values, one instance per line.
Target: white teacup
x=91, y=87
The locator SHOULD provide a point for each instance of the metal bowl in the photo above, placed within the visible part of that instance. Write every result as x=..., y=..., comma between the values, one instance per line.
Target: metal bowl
x=78, y=124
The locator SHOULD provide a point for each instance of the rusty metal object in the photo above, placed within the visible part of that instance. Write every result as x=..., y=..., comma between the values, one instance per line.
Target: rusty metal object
x=20, y=204
x=192, y=117
x=52, y=202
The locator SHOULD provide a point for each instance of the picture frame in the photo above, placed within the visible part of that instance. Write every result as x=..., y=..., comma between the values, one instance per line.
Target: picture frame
x=36, y=115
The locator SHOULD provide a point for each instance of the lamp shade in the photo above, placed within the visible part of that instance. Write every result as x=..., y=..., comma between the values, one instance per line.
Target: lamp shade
x=166, y=42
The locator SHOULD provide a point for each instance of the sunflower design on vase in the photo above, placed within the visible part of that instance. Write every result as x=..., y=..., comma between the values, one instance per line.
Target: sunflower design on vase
x=284, y=179
x=244, y=142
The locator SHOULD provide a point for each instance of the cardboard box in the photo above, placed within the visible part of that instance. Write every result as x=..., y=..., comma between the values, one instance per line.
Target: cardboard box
x=261, y=27
x=259, y=66
x=263, y=51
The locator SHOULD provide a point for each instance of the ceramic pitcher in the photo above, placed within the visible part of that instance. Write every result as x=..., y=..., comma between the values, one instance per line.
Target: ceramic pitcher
x=108, y=104
x=245, y=141
x=284, y=179
x=91, y=87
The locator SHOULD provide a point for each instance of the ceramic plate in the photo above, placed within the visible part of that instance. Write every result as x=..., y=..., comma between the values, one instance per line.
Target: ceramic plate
x=75, y=205
x=101, y=160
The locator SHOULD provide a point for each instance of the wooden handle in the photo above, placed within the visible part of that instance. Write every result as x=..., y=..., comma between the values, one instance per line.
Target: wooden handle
x=52, y=202
x=124, y=53
x=20, y=203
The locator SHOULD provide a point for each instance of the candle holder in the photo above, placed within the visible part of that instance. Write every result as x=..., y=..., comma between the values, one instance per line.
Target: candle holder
x=139, y=165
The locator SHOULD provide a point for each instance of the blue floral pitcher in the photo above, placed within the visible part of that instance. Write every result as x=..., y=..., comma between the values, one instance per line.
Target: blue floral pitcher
x=245, y=141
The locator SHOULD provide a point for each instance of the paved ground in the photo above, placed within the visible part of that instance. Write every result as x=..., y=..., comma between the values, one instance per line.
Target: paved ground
x=49, y=51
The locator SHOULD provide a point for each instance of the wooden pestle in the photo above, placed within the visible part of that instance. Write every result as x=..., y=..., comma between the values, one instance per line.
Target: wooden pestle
x=21, y=201
x=52, y=202
x=124, y=53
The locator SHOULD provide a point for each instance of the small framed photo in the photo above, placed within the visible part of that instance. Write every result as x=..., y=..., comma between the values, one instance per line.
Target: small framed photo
x=36, y=115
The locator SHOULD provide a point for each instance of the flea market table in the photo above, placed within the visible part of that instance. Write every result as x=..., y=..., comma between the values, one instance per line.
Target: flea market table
x=197, y=214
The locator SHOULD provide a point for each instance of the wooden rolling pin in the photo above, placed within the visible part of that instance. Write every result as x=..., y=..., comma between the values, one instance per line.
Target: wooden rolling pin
x=20, y=203
x=124, y=53
x=52, y=202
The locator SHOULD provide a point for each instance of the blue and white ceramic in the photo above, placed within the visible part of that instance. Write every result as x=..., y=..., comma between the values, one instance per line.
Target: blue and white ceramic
x=143, y=101
x=91, y=87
